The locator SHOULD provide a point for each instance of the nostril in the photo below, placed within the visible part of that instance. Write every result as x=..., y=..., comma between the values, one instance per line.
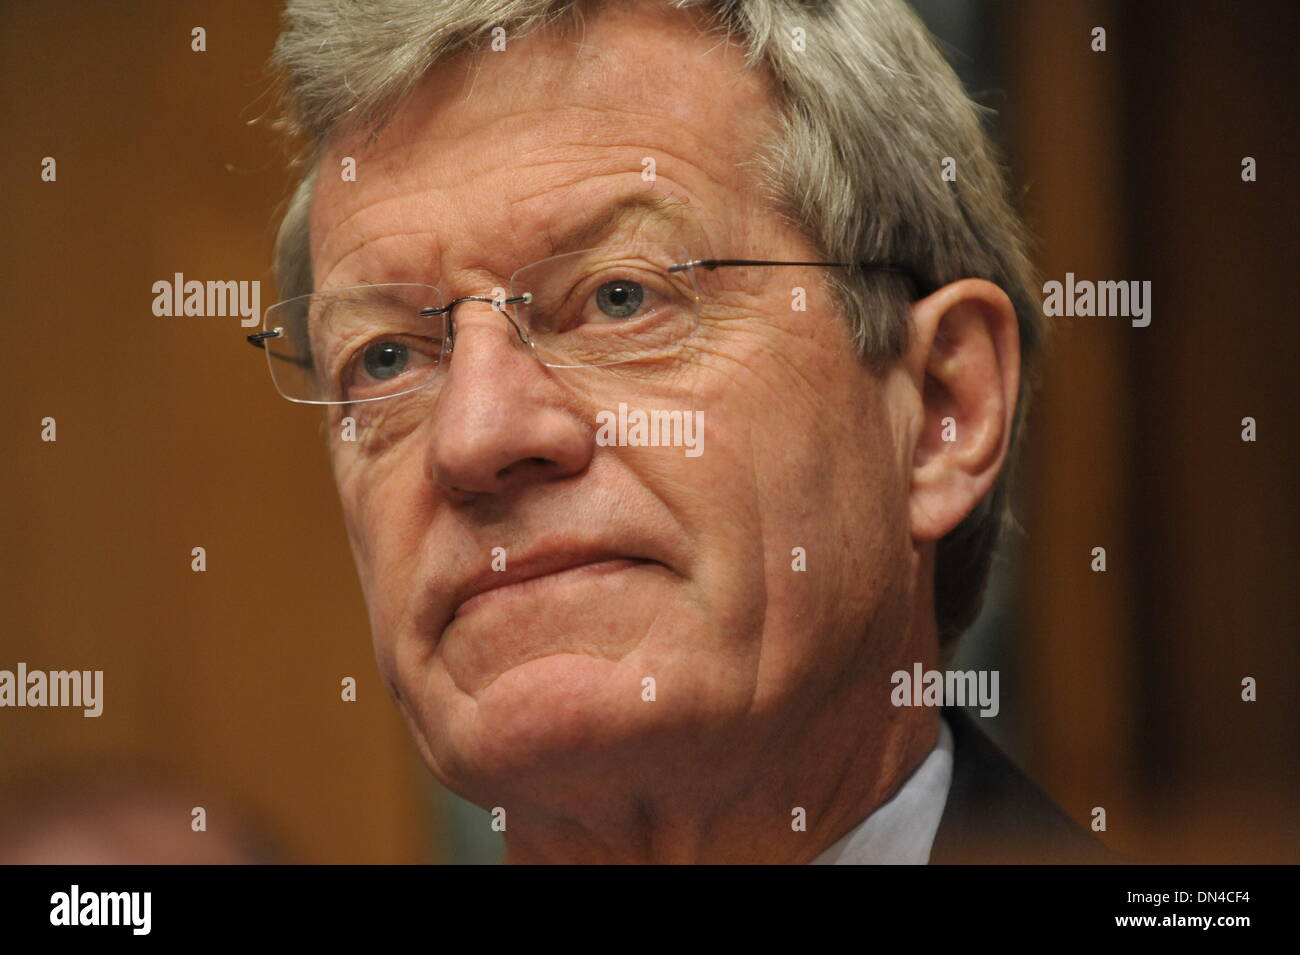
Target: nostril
x=525, y=465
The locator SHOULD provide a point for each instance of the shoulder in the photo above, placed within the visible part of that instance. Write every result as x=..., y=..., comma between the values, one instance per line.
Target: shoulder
x=995, y=814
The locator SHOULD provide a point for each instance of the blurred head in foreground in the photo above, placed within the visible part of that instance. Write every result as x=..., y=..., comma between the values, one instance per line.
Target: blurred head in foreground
x=137, y=816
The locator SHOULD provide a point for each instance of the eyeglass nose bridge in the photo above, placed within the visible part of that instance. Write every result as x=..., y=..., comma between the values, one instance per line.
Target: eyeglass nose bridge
x=497, y=304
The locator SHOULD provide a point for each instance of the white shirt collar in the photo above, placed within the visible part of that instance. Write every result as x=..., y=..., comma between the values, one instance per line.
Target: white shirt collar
x=901, y=831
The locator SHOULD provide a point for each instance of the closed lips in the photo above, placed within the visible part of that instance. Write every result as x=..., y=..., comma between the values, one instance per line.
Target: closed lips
x=537, y=571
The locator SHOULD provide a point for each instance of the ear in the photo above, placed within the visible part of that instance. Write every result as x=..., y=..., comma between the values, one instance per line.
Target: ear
x=964, y=361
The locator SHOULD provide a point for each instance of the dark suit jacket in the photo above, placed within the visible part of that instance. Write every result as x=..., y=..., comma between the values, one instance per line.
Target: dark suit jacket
x=994, y=814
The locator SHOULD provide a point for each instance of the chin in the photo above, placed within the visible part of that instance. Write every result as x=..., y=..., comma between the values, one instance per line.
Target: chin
x=559, y=720
x=563, y=702
x=580, y=638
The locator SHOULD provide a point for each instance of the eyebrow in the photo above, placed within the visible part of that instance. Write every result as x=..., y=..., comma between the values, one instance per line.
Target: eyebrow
x=623, y=213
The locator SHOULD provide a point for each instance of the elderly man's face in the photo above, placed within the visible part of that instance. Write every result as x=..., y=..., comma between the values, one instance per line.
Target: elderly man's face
x=653, y=563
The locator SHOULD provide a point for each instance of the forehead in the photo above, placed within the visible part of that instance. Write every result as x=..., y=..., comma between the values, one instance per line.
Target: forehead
x=494, y=154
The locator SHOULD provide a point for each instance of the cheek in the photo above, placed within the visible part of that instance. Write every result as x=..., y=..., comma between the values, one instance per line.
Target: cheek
x=384, y=504
x=830, y=486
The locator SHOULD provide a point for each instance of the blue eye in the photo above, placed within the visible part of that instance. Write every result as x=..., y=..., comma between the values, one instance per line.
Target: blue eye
x=385, y=360
x=621, y=298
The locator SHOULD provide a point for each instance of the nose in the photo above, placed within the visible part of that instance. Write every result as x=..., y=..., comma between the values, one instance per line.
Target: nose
x=501, y=422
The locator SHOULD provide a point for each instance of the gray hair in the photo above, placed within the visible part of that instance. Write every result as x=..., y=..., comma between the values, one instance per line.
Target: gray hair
x=868, y=111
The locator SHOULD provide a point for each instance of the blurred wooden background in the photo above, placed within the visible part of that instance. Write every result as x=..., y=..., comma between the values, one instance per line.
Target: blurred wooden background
x=170, y=436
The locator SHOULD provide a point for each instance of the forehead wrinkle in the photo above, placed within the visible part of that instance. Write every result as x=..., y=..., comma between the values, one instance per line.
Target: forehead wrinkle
x=611, y=155
x=628, y=210
x=669, y=139
x=403, y=150
x=379, y=238
x=405, y=146
x=336, y=231
x=622, y=213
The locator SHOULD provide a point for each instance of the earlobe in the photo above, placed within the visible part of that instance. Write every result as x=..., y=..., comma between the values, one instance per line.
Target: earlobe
x=965, y=363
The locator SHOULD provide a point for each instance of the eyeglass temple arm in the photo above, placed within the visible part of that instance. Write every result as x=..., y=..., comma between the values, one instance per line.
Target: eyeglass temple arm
x=259, y=340
x=711, y=264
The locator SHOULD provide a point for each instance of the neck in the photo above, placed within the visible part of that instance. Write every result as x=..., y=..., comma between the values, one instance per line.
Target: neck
x=781, y=792
x=789, y=816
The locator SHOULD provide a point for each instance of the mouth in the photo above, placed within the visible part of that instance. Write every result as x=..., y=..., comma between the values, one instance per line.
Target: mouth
x=530, y=577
